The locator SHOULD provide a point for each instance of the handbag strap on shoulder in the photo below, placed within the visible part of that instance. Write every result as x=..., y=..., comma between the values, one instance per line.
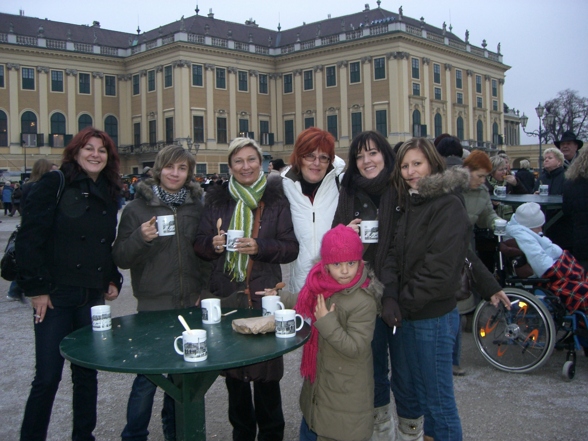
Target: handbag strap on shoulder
x=254, y=233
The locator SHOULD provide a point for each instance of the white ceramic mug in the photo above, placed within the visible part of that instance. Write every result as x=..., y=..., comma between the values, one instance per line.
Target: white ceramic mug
x=193, y=345
x=544, y=190
x=500, y=227
x=271, y=304
x=369, y=231
x=232, y=236
x=286, y=323
x=500, y=191
x=211, y=311
x=166, y=225
x=101, y=320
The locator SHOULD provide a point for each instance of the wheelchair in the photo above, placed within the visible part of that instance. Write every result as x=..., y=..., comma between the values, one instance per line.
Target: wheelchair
x=522, y=339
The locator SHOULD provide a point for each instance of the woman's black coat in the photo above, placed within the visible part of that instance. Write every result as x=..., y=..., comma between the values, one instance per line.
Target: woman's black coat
x=69, y=243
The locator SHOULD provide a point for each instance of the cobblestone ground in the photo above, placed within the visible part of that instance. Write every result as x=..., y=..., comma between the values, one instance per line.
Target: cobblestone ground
x=494, y=406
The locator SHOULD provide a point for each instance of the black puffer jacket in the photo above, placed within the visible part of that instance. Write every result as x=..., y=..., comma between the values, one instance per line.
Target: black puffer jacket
x=69, y=243
x=429, y=250
x=165, y=273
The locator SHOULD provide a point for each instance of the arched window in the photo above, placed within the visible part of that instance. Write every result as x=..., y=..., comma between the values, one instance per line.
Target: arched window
x=438, y=124
x=28, y=122
x=111, y=127
x=495, y=136
x=58, y=124
x=480, y=132
x=84, y=121
x=3, y=129
x=57, y=136
x=416, y=123
x=460, y=128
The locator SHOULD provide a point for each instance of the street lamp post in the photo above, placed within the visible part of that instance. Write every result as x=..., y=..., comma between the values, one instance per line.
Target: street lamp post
x=547, y=122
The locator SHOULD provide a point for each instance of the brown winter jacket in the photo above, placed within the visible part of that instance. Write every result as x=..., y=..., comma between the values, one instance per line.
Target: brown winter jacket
x=165, y=273
x=277, y=244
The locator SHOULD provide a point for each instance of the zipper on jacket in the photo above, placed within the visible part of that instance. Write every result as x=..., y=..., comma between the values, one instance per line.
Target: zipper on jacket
x=179, y=255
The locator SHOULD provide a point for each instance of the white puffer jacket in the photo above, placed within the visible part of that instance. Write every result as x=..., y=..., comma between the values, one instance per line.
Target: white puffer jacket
x=311, y=221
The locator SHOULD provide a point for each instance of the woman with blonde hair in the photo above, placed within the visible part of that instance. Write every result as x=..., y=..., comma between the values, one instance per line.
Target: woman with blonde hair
x=249, y=199
x=526, y=176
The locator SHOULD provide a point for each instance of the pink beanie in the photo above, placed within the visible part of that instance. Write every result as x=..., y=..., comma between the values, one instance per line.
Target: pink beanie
x=341, y=244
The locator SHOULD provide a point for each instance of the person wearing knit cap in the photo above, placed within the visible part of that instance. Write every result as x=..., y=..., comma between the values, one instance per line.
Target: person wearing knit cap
x=567, y=278
x=341, y=301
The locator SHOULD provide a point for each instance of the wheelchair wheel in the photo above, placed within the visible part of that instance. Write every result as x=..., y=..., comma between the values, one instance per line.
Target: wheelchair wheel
x=568, y=370
x=519, y=340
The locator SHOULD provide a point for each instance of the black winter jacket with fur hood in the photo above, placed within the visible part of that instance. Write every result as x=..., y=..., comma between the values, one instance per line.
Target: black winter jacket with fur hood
x=430, y=246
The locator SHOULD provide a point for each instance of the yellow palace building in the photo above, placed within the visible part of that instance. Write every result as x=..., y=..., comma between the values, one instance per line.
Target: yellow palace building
x=201, y=81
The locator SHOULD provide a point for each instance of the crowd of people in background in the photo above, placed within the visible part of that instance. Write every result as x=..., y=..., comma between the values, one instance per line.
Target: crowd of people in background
x=373, y=308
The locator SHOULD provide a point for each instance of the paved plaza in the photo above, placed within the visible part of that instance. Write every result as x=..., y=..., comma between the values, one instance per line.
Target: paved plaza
x=493, y=405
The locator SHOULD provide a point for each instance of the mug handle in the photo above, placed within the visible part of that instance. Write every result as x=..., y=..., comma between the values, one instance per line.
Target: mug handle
x=218, y=312
x=298, y=328
x=176, y=345
x=281, y=305
x=494, y=191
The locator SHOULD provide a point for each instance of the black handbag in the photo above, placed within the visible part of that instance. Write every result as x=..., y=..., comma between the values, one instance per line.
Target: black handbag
x=467, y=277
x=8, y=267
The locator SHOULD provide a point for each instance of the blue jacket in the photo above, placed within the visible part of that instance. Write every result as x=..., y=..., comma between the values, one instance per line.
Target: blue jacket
x=541, y=253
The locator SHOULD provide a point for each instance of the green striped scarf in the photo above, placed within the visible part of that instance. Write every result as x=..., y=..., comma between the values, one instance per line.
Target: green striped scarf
x=247, y=199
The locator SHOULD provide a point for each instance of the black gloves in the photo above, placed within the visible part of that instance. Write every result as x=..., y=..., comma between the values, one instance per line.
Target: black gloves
x=391, y=312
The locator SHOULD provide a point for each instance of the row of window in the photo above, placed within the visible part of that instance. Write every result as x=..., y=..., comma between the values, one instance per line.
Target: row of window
x=29, y=125
x=28, y=79
x=58, y=127
x=84, y=83
x=198, y=79
x=416, y=91
x=416, y=74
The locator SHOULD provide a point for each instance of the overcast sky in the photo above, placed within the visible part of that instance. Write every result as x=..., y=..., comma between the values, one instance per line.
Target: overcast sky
x=544, y=42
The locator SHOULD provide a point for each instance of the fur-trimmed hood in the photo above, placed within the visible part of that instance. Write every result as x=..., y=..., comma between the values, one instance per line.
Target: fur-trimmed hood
x=218, y=195
x=144, y=190
x=453, y=180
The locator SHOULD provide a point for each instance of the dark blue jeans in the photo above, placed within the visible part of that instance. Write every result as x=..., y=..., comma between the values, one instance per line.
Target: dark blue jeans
x=429, y=360
x=305, y=433
x=71, y=311
x=386, y=342
x=139, y=412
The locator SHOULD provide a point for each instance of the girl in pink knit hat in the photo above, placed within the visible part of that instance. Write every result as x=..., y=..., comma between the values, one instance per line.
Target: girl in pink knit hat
x=341, y=301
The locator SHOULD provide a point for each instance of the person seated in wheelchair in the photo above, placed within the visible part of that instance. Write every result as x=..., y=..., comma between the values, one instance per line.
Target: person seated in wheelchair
x=524, y=236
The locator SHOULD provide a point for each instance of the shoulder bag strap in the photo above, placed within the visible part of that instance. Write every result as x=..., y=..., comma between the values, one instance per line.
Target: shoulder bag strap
x=254, y=233
x=61, y=185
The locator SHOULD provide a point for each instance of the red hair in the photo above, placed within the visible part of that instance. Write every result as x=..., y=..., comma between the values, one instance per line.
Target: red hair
x=478, y=160
x=71, y=168
x=307, y=142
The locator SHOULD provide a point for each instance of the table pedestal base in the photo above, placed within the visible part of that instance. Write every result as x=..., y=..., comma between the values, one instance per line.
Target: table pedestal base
x=188, y=391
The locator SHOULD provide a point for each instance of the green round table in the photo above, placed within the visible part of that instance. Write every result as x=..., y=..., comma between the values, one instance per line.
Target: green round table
x=143, y=343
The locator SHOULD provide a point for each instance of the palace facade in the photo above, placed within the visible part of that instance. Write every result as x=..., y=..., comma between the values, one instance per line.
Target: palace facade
x=201, y=82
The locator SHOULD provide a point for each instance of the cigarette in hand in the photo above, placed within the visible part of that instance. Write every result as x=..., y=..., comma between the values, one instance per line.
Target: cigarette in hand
x=152, y=221
x=394, y=330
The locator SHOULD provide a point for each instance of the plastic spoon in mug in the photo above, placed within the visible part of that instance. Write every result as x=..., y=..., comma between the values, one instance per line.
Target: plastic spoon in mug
x=183, y=322
x=219, y=224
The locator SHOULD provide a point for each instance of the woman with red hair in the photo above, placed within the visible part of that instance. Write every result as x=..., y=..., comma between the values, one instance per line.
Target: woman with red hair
x=311, y=185
x=66, y=242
